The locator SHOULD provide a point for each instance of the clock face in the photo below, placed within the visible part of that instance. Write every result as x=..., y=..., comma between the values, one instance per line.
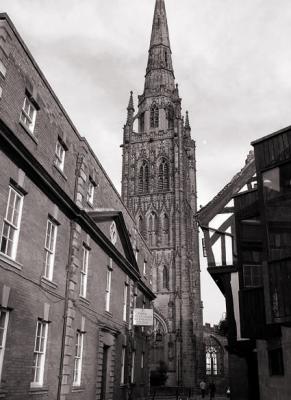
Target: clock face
x=113, y=233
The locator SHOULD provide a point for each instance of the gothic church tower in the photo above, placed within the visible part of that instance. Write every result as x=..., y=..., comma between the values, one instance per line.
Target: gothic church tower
x=159, y=188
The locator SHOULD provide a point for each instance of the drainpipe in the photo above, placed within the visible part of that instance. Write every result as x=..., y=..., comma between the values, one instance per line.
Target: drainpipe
x=68, y=272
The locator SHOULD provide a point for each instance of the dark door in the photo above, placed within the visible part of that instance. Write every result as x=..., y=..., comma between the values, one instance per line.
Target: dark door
x=104, y=372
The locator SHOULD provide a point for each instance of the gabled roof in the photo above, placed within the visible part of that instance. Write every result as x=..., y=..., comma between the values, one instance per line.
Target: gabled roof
x=103, y=215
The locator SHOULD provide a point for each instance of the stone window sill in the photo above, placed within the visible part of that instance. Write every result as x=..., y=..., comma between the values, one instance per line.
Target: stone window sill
x=10, y=262
x=78, y=389
x=60, y=172
x=84, y=300
x=31, y=135
x=108, y=314
x=34, y=390
x=49, y=283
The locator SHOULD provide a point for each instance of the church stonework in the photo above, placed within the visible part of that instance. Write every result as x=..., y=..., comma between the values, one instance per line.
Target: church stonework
x=159, y=189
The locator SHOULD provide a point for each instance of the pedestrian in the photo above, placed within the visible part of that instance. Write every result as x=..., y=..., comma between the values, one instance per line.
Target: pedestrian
x=228, y=392
x=203, y=388
x=212, y=390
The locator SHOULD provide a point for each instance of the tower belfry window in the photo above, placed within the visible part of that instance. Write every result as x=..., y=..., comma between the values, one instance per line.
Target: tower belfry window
x=154, y=116
x=143, y=178
x=163, y=177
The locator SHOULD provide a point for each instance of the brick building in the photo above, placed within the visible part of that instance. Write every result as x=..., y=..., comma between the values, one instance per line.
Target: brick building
x=72, y=262
x=159, y=188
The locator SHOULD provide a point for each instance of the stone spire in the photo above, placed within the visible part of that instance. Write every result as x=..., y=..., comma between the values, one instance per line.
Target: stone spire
x=130, y=109
x=160, y=73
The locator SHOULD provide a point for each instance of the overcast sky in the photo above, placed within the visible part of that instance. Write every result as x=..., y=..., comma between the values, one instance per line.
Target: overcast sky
x=232, y=60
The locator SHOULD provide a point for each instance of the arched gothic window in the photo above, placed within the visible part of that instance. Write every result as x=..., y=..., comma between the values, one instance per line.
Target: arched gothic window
x=143, y=178
x=165, y=278
x=214, y=357
x=163, y=177
x=152, y=229
x=170, y=116
x=154, y=116
x=165, y=229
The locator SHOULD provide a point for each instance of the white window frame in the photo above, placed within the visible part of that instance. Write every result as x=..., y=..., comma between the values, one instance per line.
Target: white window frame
x=78, y=359
x=144, y=268
x=3, y=330
x=91, y=191
x=108, y=286
x=28, y=114
x=132, y=372
x=125, y=297
x=123, y=355
x=11, y=223
x=60, y=154
x=50, y=248
x=84, y=272
x=39, y=353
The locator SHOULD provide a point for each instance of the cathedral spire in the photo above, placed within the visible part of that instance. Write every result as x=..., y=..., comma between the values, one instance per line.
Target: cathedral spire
x=160, y=31
x=160, y=73
x=130, y=109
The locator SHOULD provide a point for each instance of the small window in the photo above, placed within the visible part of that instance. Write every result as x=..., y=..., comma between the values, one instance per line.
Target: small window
x=142, y=360
x=60, y=154
x=4, y=316
x=28, y=114
x=276, y=365
x=91, y=191
x=11, y=224
x=49, y=249
x=78, y=359
x=39, y=353
x=84, y=272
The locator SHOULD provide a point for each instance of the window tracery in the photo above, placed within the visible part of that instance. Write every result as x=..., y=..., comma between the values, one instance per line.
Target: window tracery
x=163, y=175
x=143, y=178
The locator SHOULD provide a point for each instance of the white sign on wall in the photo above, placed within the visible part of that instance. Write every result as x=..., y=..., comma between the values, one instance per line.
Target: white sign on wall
x=143, y=317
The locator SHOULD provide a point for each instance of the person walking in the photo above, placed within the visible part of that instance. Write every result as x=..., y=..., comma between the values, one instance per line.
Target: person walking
x=212, y=390
x=203, y=388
